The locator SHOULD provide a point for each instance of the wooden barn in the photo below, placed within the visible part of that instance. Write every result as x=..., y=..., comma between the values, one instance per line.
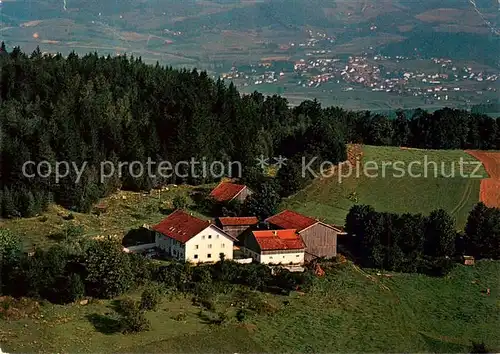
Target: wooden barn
x=319, y=238
x=235, y=226
x=226, y=192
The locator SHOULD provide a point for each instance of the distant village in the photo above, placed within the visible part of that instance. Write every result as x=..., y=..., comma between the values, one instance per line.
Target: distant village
x=435, y=77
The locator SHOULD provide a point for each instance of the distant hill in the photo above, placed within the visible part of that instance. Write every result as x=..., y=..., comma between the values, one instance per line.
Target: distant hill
x=434, y=27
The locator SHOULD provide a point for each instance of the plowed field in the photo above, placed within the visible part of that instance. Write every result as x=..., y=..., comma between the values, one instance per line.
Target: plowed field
x=490, y=187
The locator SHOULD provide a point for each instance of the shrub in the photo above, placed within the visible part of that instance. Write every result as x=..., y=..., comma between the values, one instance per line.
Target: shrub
x=241, y=314
x=141, y=268
x=222, y=317
x=75, y=288
x=108, y=269
x=179, y=202
x=68, y=232
x=150, y=298
x=180, y=317
x=132, y=317
x=479, y=348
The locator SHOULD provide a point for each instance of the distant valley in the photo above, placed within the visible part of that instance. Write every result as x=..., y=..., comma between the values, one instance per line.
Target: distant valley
x=404, y=53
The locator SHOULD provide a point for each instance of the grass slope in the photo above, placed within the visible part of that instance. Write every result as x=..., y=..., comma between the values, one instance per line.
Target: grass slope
x=124, y=211
x=348, y=311
x=330, y=200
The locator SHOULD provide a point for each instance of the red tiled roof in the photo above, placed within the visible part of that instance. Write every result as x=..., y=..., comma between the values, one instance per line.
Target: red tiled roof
x=181, y=226
x=239, y=221
x=288, y=219
x=278, y=240
x=226, y=191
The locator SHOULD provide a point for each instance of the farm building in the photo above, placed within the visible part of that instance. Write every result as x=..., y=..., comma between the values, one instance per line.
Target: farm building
x=235, y=226
x=187, y=238
x=319, y=238
x=226, y=192
x=274, y=247
x=468, y=260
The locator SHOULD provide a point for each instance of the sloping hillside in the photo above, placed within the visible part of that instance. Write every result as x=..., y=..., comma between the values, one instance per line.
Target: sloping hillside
x=331, y=198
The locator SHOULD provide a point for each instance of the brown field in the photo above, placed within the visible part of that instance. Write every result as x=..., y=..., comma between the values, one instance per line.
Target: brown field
x=444, y=15
x=490, y=187
x=405, y=28
x=355, y=11
x=276, y=58
x=362, y=43
x=134, y=36
x=457, y=28
x=31, y=23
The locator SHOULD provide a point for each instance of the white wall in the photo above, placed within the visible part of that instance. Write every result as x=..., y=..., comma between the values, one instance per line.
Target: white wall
x=283, y=258
x=248, y=252
x=210, y=241
x=278, y=258
x=173, y=248
x=138, y=248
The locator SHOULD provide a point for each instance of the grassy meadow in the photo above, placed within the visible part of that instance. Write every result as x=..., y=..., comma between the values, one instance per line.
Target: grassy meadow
x=124, y=211
x=348, y=310
x=331, y=199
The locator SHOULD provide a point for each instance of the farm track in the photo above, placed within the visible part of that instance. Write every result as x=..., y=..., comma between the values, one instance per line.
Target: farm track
x=490, y=187
x=465, y=197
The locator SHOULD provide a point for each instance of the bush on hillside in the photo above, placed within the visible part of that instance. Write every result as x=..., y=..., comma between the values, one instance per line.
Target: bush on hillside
x=132, y=317
x=150, y=298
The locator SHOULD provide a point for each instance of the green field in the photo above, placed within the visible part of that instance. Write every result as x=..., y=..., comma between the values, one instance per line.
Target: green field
x=347, y=311
x=330, y=200
x=124, y=211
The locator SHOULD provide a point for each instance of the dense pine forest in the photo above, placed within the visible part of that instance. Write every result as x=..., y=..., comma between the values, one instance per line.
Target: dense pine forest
x=92, y=109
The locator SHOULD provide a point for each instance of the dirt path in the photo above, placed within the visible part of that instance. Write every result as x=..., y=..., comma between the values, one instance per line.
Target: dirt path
x=465, y=196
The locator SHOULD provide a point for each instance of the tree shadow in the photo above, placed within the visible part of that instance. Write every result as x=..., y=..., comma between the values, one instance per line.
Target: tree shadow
x=138, y=236
x=104, y=324
x=209, y=318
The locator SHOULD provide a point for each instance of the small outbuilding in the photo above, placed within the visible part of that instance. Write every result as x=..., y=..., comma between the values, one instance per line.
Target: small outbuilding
x=469, y=260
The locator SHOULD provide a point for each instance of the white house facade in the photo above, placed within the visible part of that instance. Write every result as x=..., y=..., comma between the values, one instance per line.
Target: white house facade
x=279, y=247
x=184, y=237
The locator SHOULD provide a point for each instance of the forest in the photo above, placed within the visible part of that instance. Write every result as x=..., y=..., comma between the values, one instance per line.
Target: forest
x=421, y=243
x=90, y=109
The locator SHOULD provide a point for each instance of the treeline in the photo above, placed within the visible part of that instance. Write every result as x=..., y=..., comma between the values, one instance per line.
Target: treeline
x=443, y=129
x=417, y=243
x=91, y=109
x=71, y=270
x=484, y=108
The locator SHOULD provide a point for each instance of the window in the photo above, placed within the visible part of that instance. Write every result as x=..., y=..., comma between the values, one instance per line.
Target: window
x=216, y=236
x=210, y=246
x=196, y=247
x=209, y=255
x=270, y=257
x=209, y=236
x=202, y=237
x=223, y=245
x=297, y=255
x=195, y=256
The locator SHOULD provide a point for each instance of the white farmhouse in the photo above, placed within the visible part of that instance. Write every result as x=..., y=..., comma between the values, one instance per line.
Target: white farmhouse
x=187, y=238
x=275, y=247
